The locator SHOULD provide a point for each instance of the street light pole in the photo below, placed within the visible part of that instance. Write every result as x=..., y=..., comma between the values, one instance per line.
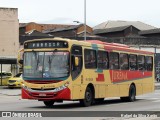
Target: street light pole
x=84, y=20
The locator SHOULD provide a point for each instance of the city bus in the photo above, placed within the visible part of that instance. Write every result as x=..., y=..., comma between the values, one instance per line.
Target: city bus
x=58, y=69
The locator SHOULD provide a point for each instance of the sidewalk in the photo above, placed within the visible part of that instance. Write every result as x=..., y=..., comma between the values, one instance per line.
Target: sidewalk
x=157, y=85
x=4, y=90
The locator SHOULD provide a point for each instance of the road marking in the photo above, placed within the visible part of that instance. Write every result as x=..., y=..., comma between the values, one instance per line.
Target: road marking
x=157, y=101
x=153, y=98
x=117, y=104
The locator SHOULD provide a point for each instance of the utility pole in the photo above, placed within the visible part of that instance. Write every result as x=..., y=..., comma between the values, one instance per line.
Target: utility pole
x=84, y=20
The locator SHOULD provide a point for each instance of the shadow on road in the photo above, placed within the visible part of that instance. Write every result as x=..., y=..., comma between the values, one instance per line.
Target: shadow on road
x=77, y=105
x=6, y=87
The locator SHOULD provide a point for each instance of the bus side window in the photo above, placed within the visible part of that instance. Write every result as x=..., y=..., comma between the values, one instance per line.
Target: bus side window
x=90, y=59
x=133, y=62
x=141, y=62
x=123, y=59
x=76, y=52
x=113, y=60
x=149, y=63
x=102, y=60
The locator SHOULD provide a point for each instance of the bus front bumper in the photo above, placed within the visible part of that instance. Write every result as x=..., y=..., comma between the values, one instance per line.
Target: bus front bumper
x=64, y=94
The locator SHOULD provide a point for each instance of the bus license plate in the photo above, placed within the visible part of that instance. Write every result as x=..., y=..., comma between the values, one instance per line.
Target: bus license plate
x=42, y=94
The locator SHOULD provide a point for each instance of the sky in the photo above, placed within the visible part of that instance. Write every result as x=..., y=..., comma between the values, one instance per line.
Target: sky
x=97, y=11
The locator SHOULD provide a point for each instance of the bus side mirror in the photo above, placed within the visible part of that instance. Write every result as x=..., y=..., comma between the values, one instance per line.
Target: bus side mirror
x=76, y=63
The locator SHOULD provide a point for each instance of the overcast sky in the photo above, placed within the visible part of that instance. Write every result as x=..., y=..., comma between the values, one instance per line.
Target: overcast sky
x=98, y=11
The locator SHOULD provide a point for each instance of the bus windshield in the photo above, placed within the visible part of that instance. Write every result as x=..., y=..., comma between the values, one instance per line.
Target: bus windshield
x=46, y=65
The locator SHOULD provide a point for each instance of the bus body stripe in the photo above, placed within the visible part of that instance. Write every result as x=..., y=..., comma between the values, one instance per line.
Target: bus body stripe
x=122, y=76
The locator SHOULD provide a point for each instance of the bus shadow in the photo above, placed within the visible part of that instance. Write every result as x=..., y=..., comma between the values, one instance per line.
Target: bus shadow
x=77, y=105
x=113, y=101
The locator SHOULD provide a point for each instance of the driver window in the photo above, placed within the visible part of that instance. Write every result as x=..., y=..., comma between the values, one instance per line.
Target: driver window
x=76, y=52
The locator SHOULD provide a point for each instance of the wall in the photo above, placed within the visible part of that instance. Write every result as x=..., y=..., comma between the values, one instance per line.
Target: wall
x=66, y=33
x=33, y=26
x=9, y=32
x=81, y=29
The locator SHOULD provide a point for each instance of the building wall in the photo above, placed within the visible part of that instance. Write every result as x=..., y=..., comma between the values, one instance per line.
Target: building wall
x=81, y=29
x=112, y=34
x=9, y=30
x=130, y=31
x=155, y=35
x=33, y=26
x=67, y=33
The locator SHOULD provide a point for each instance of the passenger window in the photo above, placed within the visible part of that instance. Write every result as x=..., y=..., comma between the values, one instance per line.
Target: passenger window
x=149, y=63
x=123, y=61
x=141, y=62
x=102, y=60
x=133, y=62
x=90, y=58
x=113, y=60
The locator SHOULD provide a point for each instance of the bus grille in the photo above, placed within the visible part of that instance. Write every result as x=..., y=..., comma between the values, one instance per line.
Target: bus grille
x=12, y=81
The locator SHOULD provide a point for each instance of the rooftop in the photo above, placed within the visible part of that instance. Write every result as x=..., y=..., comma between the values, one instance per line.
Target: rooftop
x=152, y=31
x=111, y=24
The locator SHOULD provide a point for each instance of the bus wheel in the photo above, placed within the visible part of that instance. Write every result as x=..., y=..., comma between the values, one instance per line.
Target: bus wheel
x=88, y=98
x=48, y=103
x=132, y=94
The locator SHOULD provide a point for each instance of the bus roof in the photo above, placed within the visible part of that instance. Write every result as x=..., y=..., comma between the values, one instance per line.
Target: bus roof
x=118, y=47
x=106, y=45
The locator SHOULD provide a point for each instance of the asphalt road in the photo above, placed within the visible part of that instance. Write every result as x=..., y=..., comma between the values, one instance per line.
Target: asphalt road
x=147, y=102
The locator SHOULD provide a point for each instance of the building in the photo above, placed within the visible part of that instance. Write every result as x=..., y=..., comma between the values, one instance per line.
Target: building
x=119, y=23
x=9, y=40
x=122, y=31
x=32, y=30
x=73, y=31
x=153, y=33
x=26, y=27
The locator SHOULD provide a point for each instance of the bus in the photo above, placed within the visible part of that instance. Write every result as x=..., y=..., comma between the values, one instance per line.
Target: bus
x=58, y=69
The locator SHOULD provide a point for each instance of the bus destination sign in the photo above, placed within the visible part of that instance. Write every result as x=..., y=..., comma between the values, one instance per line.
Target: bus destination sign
x=46, y=44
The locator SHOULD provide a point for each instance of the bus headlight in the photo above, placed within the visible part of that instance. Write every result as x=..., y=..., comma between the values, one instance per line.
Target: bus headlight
x=61, y=87
x=24, y=87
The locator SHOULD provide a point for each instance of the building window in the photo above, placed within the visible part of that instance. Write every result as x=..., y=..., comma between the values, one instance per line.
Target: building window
x=141, y=62
x=103, y=60
x=123, y=61
x=90, y=59
x=113, y=60
x=133, y=62
x=149, y=63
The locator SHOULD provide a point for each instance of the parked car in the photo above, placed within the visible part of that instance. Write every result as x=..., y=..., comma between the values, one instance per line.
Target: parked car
x=15, y=81
x=5, y=76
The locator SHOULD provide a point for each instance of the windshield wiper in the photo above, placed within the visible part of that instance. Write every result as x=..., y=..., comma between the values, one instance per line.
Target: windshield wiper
x=36, y=58
x=50, y=59
x=53, y=55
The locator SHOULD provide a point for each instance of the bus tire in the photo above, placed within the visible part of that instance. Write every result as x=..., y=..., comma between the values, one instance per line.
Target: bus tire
x=132, y=94
x=48, y=103
x=88, y=98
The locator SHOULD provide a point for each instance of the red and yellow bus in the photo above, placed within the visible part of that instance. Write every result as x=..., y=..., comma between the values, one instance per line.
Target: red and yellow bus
x=56, y=69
